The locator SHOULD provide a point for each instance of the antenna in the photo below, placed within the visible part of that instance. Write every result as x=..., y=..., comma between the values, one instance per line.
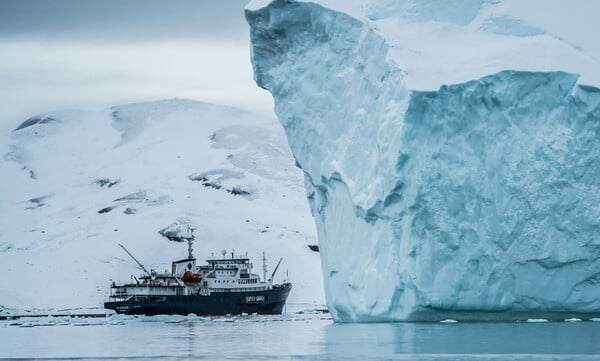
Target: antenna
x=264, y=268
x=136, y=261
x=190, y=238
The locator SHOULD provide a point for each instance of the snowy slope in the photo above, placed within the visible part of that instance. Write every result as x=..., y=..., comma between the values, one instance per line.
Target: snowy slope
x=76, y=183
x=477, y=198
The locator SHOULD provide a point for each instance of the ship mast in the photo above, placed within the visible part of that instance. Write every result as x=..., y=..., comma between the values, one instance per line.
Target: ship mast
x=190, y=239
x=264, y=268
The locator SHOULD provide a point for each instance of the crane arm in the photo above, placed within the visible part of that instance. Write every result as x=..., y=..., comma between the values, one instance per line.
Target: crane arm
x=136, y=261
x=276, y=267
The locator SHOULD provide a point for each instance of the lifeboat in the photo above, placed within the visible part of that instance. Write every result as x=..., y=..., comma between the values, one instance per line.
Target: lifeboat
x=190, y=277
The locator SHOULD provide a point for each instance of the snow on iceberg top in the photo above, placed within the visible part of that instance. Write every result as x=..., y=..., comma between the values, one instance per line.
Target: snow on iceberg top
x=353, y=8
x=454, y=41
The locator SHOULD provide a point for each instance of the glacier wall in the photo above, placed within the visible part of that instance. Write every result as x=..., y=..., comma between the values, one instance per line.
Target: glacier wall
x=477, y=201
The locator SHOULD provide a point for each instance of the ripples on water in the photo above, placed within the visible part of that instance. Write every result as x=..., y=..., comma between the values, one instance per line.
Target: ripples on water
x=297, y=336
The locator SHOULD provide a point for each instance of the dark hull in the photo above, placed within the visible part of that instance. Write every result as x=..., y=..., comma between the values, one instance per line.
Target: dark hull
x=218, y=303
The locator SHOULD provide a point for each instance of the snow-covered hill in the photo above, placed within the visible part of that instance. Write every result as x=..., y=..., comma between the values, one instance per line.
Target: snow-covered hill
x=77, y=183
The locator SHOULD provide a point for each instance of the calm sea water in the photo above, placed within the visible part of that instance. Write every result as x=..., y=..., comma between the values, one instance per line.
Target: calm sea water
x=294, y=337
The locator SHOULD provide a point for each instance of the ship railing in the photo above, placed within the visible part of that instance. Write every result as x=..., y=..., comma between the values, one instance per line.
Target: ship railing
x=146, y=290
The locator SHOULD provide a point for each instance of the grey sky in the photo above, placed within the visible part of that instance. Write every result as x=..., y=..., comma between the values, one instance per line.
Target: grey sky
x=80, y=54
x=122, y=20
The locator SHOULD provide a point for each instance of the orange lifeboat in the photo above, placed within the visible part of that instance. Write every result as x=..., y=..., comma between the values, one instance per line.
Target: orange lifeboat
x=190, y=277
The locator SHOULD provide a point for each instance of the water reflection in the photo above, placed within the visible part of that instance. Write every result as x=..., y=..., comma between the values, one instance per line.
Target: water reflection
x=301, y=338
x=373, y=341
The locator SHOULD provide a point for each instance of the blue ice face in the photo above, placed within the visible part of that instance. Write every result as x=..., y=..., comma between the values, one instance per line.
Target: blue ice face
x=478, y=200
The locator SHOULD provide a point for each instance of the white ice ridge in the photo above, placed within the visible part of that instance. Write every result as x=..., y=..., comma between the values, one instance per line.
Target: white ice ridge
x=454, y=41
x=480, y=200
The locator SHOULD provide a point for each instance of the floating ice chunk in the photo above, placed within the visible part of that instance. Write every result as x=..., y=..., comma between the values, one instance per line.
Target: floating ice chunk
x=120, y=318
x=573, y=319
x=449, y=321
x=180, y=319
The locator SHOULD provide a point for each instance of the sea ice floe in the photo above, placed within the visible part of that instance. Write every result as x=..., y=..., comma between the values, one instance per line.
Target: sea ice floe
x=449, y=321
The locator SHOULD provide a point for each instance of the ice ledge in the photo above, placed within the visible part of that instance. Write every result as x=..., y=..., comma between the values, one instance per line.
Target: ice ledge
x=257, y=4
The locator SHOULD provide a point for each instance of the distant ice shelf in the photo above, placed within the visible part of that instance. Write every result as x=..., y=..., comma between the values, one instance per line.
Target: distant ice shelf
x=480, y=200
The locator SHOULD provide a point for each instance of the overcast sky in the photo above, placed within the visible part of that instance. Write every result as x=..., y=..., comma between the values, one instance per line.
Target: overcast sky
x=57, y=54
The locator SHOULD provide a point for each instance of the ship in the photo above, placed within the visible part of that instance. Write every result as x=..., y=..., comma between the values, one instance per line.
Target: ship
x=224, y=285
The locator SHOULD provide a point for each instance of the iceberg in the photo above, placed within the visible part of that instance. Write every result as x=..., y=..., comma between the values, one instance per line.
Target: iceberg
x=479, y=200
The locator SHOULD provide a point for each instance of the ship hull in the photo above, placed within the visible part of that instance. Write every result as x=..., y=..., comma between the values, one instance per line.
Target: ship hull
x=217, y=303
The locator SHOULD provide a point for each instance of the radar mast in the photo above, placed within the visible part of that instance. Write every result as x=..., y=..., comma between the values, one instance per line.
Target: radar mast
x=190, y=239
